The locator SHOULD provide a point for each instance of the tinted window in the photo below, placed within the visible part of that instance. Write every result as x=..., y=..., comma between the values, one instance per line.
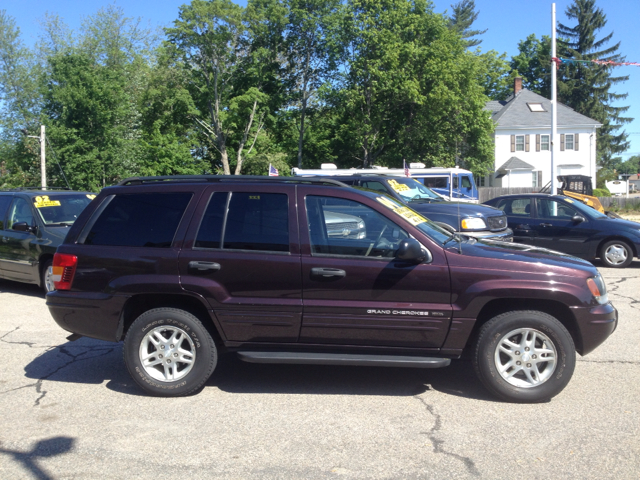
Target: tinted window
x=465, y=181
x=210, y=232
x=258, y=221
x=139, y=220
x=5, y=200
x=435, y=182
x=374, y=186
x=344, y=227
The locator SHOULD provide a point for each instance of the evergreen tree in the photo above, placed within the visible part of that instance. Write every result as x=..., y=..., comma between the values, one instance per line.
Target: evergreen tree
x=464, y=14
x=587, y=87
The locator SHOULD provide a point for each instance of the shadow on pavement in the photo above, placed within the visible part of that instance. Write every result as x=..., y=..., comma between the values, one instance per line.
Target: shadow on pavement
x=95, y=362
x=43, y=449
x=27, y=289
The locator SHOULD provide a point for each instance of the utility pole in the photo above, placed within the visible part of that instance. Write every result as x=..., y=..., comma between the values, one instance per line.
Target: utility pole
x=43, y=163
x=554, y=98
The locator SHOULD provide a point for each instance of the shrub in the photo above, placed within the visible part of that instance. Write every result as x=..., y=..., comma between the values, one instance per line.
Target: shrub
x=601, y=192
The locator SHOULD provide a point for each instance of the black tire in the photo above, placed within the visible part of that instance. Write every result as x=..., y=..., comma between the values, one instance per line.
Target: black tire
x=616, y=254
x=45, y=277
x=515, y=384
x=175, y=343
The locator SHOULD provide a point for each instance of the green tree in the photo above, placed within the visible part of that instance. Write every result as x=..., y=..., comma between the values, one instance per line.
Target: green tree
x=587, y=87
x=463, y=16
x=533, y=64
x=496, y=77
x=226, y=80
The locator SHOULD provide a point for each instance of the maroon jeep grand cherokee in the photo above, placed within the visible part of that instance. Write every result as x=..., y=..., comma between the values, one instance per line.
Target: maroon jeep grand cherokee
x=307, y=270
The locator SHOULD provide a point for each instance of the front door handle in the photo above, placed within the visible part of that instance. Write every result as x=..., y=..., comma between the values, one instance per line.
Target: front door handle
x=197, y=266
x=328, y=272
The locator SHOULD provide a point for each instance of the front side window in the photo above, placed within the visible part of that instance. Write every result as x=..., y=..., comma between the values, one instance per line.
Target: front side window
x=139, y=220
x=343, y=227
x=554, y=210
x=568, y=141
x=20, y=211
x=519, y=143
x=5, y=201
x=544, y=142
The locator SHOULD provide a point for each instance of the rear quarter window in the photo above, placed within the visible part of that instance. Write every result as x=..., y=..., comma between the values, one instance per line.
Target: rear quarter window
x=139, y=220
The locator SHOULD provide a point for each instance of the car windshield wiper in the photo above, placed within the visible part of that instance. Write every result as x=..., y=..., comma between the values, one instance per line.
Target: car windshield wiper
x=59, y=224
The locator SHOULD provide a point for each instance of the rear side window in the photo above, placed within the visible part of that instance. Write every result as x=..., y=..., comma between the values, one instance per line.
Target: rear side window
x=139, y=220
x=436, y=182
x=254, y=221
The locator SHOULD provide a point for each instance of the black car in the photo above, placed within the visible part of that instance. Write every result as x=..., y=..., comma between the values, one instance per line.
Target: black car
x=561, y=223
x=32, y=225
x=479, y=221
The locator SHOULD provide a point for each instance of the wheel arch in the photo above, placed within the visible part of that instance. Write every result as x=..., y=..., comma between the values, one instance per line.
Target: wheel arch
x=620, y=238
x=138, y=304
x=556, y=309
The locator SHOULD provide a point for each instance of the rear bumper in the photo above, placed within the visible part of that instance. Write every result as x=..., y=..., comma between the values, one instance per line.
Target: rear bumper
x=595, y=325
x=94, y=315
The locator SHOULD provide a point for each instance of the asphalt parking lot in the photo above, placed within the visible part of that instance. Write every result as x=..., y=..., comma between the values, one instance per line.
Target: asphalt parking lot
x=70, y=410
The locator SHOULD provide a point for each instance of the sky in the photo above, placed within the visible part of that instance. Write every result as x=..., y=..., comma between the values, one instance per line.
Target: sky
x=507, y=23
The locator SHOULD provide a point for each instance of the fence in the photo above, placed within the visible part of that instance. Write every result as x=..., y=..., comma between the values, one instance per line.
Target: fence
x=487, y=193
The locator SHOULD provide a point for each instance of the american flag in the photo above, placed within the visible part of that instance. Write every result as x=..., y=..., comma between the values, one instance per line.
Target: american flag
x=273, y=171
x=406, y=169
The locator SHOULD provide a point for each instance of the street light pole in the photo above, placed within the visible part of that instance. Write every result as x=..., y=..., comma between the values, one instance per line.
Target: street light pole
x=554, y=98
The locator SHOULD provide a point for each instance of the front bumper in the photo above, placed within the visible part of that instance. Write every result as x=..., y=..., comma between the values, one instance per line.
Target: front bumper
x=501, y=236
x=595, y=324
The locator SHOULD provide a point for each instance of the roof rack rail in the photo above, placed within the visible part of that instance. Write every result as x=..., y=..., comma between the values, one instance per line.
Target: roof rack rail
x=230, y=178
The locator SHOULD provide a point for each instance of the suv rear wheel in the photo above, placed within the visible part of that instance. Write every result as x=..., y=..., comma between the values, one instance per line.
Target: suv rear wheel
x=524, y=356
x=169, y=353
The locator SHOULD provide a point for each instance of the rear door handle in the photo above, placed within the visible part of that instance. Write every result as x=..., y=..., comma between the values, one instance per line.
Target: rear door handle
x=199, y=266
x=546, y=225
x=328, y=272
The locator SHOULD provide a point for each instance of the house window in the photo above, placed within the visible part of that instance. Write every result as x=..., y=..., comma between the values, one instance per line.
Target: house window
x=536, y=179
x=519, y=143
x=568, y=141
x=544, y=142
x=480, y=181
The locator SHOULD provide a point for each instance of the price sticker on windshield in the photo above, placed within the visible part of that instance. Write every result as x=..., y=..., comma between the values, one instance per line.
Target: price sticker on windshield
x=405, y=212
x=43, y=201
x=398, y=187
x=91, y=197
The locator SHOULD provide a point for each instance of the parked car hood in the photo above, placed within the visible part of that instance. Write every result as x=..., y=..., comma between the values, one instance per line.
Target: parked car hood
x=467, y=210
x=530, y=258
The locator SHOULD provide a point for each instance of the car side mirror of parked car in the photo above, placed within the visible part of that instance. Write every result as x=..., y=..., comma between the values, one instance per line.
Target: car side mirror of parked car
x=578, y=219
x=410, y=250
x=23, y=227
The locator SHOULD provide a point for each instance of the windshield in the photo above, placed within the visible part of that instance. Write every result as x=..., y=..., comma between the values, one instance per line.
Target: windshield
x=425, y=225
x=412, y=190
x=585, y=209
x=61, y=209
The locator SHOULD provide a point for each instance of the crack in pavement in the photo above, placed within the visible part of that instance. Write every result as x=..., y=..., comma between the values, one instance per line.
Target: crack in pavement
x=29, y=344
x=613, y=288
x=74, y=358
x=437, y=444
x=628, y=362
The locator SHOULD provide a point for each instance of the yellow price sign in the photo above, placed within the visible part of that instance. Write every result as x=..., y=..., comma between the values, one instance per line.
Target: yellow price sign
x=405, y=212
x=91, y=197
x=43, y=201
x=398, y=187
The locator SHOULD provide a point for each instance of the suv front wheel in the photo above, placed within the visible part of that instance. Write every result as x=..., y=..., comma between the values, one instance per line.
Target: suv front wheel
x=524, y=356
x=169, y=352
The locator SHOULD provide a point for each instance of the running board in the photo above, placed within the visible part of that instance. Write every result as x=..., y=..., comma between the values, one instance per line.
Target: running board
x=343, y=359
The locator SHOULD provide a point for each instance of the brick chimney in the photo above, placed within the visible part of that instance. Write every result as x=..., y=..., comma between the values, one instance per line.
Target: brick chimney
x=517, y=85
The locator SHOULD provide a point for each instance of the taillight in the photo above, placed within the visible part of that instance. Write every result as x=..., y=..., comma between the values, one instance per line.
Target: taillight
x=64, y=268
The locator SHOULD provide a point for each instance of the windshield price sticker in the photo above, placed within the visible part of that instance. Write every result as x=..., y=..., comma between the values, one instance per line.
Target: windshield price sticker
x=405, y=212
x=43, y=201
x=91, y=197
x=399, y=187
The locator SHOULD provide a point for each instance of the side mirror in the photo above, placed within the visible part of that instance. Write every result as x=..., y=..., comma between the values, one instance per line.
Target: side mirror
x=578, y=219
x=410, y=250
x=23, y=227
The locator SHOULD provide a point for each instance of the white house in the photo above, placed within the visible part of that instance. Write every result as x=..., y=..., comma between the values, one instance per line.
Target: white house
x=522, y=140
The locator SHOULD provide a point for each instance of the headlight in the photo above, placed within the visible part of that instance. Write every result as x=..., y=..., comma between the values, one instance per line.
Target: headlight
x=598, y=289
x=473, y=224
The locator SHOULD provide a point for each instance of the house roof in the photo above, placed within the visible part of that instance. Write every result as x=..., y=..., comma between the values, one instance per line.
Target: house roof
x=514, y=163
x=515, y=112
